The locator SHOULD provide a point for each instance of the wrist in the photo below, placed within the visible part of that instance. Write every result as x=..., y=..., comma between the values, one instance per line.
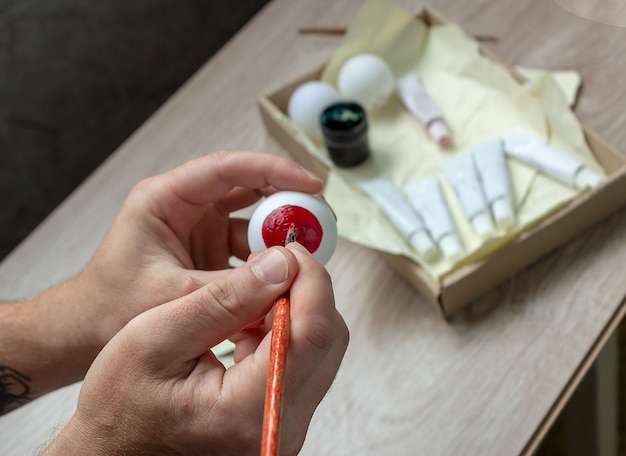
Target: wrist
x=52, y=340
x=45, y=342
x=104, y=434
x=76, y=440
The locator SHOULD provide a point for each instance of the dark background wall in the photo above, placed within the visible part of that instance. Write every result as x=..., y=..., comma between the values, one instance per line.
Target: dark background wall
x=77, y=77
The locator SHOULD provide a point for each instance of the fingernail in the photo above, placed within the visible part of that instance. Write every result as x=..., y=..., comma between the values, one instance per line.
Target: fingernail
x=270, y=266
x=297, y=246
x=311, y=174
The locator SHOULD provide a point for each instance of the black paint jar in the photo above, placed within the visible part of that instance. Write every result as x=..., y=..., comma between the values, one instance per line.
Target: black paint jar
x=344, y=127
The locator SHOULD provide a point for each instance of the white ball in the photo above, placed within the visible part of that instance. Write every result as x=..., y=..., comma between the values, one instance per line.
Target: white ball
x=366, y=79
x=312, y=217
x=306, y=104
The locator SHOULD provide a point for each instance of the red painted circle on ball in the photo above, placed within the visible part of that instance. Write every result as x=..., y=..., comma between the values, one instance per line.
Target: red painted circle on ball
x=276, y=226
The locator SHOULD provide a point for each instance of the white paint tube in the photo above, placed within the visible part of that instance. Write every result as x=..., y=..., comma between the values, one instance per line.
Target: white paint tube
x=461, y=174
x=400, y=214
x=557, y=164
x=493, y=172
x=427, y=199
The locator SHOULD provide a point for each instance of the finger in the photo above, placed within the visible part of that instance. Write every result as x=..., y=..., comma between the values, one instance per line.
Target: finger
x=184, y=329
x=316, y=328
x=208, y=246
x=239, y=198
x=208, y=178
x=246, y=342
x=242, y=197
x=319, y=338
x=239, y=246
x=212, y=245
x=208, y=268
x=304, y=390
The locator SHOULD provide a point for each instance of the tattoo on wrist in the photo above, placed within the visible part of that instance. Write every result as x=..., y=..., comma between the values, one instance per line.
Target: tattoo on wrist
x=14, y=389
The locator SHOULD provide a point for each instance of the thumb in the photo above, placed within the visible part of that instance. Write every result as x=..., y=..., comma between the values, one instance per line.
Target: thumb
x=184, y=329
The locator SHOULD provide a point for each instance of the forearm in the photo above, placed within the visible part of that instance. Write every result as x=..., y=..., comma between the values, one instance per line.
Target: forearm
x=43, y=345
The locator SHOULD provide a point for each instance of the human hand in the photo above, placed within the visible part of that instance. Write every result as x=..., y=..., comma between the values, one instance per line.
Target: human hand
x=157, y=389
x=174, y=234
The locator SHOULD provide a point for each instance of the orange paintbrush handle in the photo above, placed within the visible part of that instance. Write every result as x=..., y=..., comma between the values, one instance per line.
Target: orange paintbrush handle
x=274, y=389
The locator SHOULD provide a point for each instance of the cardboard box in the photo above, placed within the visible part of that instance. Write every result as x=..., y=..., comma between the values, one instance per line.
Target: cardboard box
x=471, y=281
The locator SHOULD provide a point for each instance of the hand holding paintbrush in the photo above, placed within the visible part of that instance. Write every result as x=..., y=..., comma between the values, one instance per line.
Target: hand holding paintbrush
x=309, y=221
x=156, y=374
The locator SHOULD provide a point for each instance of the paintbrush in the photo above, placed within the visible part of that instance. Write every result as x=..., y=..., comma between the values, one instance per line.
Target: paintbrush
x=275, y=376
x=340, y=30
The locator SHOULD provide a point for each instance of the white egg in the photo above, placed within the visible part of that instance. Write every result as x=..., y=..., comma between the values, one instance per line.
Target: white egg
x=311, y=216
x=366, y=79
x=307, y=102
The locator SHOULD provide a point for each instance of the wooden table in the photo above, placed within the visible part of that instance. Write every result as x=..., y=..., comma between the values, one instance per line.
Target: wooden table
x=490, y=381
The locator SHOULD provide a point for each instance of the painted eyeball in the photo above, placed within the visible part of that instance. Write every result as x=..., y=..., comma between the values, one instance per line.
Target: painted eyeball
x=305, y=217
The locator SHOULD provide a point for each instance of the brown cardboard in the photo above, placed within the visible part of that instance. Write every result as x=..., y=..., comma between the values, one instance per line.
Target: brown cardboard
x=472, y=281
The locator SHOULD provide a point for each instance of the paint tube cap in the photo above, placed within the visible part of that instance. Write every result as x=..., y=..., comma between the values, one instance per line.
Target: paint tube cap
x=424, y=245
x=503, y=214
x=439, y=132
x=585, y=178
x=451, y=247
x=482, y=224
